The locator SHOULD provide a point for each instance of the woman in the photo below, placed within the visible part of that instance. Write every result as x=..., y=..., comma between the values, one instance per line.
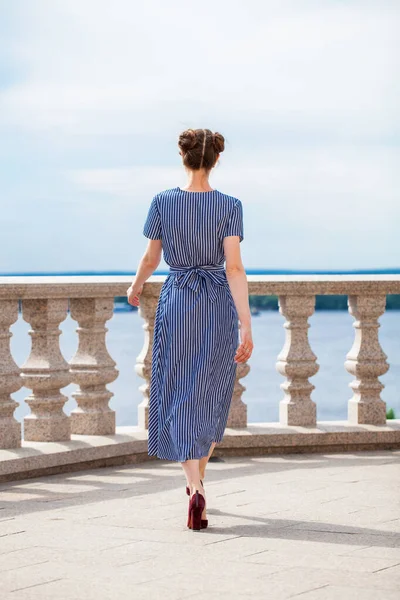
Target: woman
x=196, y=345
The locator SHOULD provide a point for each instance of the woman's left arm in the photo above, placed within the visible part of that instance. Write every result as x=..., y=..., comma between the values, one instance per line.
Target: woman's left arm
x=147, y=265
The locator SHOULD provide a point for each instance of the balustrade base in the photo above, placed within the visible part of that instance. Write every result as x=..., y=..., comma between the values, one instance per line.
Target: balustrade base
x=367, y=412
x=237, y=417
x=303, y=413
x=143, y=414
x=129, y=446
x=10, y=434
x=47, y=429
x=102, y=423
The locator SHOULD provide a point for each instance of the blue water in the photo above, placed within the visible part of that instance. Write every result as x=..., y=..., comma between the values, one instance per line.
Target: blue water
x=331, y=337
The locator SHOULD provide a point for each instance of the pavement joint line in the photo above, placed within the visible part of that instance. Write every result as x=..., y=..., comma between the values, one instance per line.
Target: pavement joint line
x=254, y=553
x=326, y=531
x=333, y=500
x=119, y=545
x=18, y=550
x=225, y=540
x=42, y=562
x=230, y=493
x=13, y=533
x=134, y=562
x=320, y=587
x=390, y=520
x=356, y=550
x=386, y=568
x=37, y=584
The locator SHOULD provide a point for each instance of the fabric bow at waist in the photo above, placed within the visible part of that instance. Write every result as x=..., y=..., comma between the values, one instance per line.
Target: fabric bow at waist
x=213, y=276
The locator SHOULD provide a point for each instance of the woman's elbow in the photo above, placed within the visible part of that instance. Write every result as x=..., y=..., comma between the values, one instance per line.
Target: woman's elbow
x=234, y=269
x=151, y=262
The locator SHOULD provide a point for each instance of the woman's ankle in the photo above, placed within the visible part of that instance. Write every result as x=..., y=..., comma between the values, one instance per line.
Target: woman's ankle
x=193, y=487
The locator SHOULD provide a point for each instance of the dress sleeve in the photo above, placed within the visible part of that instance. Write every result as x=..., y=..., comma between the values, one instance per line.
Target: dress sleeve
x=234, y=225
x=152, y=226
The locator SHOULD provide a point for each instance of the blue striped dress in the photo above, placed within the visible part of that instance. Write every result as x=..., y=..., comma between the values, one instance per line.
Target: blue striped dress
x=196, y=328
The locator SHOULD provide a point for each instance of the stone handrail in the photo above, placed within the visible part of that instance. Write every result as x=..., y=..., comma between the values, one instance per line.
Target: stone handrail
x=45, y=302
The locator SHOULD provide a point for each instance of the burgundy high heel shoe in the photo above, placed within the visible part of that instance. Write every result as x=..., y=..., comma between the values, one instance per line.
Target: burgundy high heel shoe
x=204, y=522
x=197, y=504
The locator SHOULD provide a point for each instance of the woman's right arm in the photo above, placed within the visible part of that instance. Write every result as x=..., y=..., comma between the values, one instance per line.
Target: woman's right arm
x=237, y=279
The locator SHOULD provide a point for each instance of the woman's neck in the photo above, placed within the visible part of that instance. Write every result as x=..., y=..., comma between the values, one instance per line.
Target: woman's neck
x=198, y=181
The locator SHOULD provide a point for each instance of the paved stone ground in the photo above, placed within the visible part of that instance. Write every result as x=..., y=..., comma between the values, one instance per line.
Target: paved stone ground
x=313, y=527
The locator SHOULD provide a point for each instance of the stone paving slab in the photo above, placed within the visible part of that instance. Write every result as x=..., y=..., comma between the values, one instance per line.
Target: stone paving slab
x=313, y=527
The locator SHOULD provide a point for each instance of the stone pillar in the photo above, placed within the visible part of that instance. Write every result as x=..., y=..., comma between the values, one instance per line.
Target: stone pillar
x=92, y=368
x=238, y=410
x=10, y=380
x=366, y=361
x=45, y=372
x=297, y=362
x=147, y=310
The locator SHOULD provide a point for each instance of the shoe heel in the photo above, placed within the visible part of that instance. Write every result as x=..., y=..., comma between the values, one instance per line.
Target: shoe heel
x=196, y=508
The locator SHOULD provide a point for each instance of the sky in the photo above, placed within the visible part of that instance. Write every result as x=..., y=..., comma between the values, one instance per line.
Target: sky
x=94, y=94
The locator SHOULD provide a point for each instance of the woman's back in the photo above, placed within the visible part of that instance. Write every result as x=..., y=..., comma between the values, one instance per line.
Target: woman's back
x=195, y=347
x=192, y=225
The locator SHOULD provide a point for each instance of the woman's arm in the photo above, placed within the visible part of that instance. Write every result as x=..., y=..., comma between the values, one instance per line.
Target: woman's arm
x=147, y=265
x=237, y=279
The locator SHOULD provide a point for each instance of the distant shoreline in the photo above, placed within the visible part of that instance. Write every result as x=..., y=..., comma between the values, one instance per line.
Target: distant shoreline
x=386, y=271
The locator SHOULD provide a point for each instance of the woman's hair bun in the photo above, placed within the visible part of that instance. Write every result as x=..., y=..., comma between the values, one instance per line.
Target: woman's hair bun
x=219, y=142
x=187, y=140
x=200, y=148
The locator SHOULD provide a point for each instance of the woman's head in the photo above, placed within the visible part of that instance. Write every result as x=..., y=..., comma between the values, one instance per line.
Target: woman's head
x=200, y=148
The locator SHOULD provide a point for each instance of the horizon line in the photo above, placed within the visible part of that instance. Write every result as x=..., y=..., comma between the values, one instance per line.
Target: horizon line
x=87, y=272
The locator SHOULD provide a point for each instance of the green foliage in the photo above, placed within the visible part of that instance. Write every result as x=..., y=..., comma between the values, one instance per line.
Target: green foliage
x=390, y=414
x=393, y=302
x=334, y=302
x=263, y=302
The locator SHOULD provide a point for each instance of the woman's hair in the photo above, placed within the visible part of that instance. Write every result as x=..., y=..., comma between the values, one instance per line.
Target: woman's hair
x=200, y=148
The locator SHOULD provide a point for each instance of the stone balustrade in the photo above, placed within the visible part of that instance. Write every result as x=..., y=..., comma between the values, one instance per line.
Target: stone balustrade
x=45, y=302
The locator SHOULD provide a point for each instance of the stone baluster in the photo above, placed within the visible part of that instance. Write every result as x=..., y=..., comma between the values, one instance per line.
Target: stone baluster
x=45, y=372
x=238, y=409
x=366, y=361
x=147, y=310
x=297, y=362
x=92, y=368
x=10, y=380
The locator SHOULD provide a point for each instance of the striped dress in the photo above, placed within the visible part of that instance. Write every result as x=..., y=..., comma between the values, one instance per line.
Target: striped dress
x=196, y=328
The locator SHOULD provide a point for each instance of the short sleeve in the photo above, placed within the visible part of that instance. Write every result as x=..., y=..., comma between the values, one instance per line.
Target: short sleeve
x=234, y=225
x=152, y=226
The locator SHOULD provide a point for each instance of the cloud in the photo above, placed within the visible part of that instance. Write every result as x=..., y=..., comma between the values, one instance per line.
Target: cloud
x=105, y=68
x=93, y=95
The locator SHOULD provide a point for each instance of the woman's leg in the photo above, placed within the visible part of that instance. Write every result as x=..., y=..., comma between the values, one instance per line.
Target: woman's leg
x=192, y=472
x=204, y=461
x=202, y=468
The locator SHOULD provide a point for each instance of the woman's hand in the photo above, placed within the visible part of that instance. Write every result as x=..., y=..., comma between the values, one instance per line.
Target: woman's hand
x=133, y=294
x=246, y=345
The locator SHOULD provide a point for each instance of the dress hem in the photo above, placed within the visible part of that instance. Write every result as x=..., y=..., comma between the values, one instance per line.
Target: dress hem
x=178, y=459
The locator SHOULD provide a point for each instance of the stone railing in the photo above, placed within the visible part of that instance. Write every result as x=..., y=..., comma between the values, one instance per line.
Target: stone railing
x=45, y=302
